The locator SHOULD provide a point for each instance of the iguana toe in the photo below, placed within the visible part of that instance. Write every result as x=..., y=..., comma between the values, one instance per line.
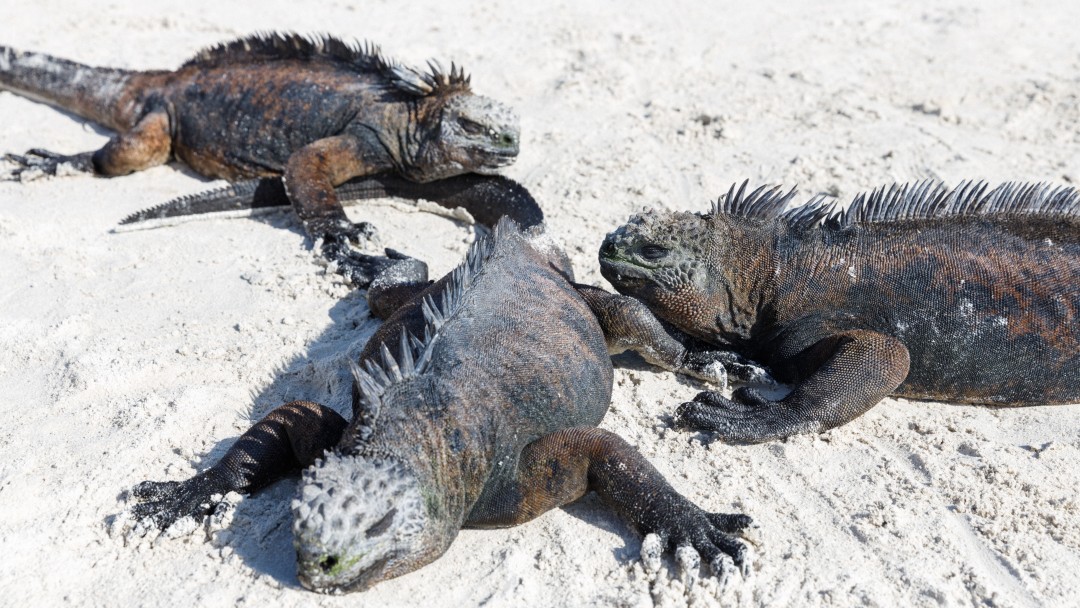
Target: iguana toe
x=740, y=423
x=730, y=523
x=361, y=269
x=37, y=163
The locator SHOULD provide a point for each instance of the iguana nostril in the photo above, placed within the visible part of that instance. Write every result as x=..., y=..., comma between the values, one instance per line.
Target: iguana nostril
x=327, y=563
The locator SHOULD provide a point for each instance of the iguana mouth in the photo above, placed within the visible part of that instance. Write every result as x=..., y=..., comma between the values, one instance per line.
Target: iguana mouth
x=493, y=157
x=624, y=272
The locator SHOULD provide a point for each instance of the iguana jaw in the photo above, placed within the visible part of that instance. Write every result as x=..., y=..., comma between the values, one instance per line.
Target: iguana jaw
x=624, y=273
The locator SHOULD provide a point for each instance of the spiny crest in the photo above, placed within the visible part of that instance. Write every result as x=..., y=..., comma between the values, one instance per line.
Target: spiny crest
x=929, y=199
x=764, y=202
x=414, y=354
x=364, y=57
x=435, y=82
x=375, y=378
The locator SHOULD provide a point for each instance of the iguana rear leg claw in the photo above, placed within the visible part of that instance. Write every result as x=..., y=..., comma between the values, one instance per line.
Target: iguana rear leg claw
x=37, y=163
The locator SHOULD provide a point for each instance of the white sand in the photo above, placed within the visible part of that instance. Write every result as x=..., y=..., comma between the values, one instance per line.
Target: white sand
x=143, y=355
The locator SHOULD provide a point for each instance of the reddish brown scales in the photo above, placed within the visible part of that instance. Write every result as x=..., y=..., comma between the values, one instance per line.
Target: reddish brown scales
x=963, y=295
x=315, y=111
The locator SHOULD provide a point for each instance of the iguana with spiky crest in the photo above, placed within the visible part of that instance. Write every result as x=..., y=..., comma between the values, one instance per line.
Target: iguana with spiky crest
x=313, y=112
x=967, y=295
x=466, y=412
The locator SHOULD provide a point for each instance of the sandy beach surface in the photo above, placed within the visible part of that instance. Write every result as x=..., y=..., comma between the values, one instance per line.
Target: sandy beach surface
x=143, y=355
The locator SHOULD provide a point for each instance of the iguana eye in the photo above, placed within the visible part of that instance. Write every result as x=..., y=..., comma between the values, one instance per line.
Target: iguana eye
x=472, y=127
x=653, y=252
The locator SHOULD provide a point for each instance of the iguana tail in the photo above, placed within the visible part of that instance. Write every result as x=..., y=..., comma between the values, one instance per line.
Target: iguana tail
x=486, y=198
x=92, y=93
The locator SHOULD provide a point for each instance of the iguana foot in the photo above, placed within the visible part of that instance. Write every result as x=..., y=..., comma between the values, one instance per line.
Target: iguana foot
x=361, y=269
x=162, y=503
x=338, y=237
x=720, y=366
x=747, y=417
x=694, y=535
x=38, y=163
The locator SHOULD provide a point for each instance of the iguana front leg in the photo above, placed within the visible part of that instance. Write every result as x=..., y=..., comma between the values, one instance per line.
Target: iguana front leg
x=147, y=144
x=310, y=176
x=628, y=324
x=851, y=372
x=562, y=466
x=290, y=437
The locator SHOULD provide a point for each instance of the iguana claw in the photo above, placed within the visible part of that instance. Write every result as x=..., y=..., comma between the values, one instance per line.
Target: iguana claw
x=695, y=535
x=720, y=366
x=747, y=417
x=162, y=503
x=37, y=163
x=360, y=268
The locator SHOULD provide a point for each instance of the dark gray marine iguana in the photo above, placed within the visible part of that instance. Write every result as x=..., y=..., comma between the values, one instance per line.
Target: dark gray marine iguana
x=967, y=295
x=478, y=420
x=313, y=112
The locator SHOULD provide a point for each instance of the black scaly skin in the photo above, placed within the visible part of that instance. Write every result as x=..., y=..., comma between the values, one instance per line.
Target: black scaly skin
x=313, y=113
x=968, y=295
x=465, y=414
x=486, y=198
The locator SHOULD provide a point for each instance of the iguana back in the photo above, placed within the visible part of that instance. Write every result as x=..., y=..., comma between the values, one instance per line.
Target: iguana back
x=986, y=301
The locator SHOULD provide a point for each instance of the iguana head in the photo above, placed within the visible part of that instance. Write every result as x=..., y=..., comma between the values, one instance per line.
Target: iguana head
x=472, y=134
x=687, y=268
x=358, y=520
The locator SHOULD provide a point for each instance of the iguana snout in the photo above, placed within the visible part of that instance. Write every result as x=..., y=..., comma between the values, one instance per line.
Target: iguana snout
x=357, y=521
x=476, y=134
x=658, y=249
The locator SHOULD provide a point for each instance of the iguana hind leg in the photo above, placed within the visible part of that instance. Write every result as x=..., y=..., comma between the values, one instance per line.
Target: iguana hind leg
x=853, y=371
x=562, y=466
x=289, y=437
x=147, y=144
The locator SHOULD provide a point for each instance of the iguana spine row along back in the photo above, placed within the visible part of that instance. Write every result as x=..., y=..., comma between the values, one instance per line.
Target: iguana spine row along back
x=314, y=112
x=969, y=295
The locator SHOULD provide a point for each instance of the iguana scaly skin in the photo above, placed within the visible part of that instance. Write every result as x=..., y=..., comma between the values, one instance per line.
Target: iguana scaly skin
x=963, y=295
x=313, y=112
x=486, y=198
x=466, y=412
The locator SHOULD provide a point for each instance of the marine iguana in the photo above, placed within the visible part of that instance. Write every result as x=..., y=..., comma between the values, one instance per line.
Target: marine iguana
x=313, y=112
x=477, y=421
x=967, y=295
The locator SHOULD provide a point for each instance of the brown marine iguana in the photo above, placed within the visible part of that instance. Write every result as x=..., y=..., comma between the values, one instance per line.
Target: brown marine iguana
x=963, y=295
x=312, y=112
x=477, y=421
